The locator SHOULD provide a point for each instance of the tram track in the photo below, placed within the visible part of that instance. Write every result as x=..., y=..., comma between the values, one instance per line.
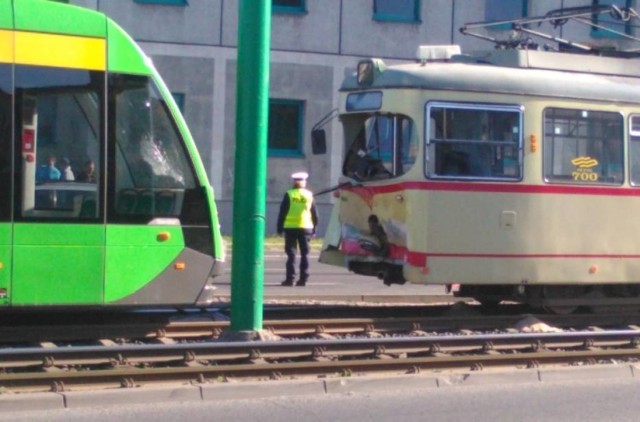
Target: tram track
x=175, y=327
x=129, y=350
x=68, y=368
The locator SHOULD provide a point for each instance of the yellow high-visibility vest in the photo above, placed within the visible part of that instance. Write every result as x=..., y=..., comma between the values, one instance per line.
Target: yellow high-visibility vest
x=299, y=215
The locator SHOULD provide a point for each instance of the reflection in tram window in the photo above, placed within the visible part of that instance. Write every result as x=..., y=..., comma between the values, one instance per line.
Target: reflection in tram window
x=58, y=116
x=152, y=173
x=474, y=141
x=583, y=146
x=5, y=141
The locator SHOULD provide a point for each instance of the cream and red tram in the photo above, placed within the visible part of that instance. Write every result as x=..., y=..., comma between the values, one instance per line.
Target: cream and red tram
x=513, y=174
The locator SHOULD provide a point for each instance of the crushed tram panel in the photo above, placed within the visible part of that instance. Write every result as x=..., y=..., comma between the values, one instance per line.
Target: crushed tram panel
x=106, y=201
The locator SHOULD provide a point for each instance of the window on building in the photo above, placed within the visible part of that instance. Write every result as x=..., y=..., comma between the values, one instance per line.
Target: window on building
x=583, y=146
x=289, y=6
x=396, y=10
x=499, y=10
x=605, y=25
x=164, y=2
x=285, y=128
x=477, y=141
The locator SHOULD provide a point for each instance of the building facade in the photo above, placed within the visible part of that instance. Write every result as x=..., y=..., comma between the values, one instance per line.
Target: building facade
x=314, y=44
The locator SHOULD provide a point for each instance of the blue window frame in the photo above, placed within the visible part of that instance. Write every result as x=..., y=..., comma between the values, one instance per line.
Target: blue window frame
x=502, y=10
x=289, y=6
x=285, y=128
x=164, y=2
x=605, y=20
x=396, y=10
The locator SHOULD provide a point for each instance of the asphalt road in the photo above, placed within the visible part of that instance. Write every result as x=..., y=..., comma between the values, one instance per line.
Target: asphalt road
x=578, y=396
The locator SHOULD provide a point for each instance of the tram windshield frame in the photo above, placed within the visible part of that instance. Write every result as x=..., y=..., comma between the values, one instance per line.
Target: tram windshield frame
x=379, y=145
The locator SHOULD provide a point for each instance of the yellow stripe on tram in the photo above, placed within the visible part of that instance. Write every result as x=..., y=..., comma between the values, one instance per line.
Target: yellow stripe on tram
x=6, y=46
x=33, y=48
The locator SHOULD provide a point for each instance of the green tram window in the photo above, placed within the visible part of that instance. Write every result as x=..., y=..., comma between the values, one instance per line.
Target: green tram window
x=5, y=141
x=474, y=141
x=59, y=153
x=153, y=177
x=583, y=146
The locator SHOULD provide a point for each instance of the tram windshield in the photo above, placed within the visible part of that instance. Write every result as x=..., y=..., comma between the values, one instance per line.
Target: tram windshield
x=152, y=167
x=380, y=146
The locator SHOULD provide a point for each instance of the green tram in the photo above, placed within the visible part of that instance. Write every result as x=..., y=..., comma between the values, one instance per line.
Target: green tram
x=104, y=199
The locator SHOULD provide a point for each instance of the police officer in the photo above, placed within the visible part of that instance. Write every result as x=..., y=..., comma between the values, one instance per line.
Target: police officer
x=298, y=220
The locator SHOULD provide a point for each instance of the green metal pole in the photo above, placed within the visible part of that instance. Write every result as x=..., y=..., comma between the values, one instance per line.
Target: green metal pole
x=250, y=181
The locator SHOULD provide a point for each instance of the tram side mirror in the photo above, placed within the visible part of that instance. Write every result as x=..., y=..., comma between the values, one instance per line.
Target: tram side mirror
x=318, y=141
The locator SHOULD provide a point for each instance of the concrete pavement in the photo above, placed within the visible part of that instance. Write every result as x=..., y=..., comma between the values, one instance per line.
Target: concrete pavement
x=332, y=284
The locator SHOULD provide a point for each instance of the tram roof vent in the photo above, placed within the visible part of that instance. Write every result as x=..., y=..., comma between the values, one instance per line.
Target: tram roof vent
x=551, y=60
x=427, y=53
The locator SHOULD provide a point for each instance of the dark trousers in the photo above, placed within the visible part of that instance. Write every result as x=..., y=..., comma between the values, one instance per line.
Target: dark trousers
x=294, y=238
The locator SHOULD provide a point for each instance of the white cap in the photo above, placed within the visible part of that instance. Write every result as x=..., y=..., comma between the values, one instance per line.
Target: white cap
x=301, y=175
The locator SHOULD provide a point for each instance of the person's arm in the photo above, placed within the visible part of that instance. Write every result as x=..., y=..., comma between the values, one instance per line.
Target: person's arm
x=282, y=214
x=314, y=216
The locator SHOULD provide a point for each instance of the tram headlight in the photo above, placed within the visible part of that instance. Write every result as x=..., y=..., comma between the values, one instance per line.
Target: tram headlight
x=368, y=70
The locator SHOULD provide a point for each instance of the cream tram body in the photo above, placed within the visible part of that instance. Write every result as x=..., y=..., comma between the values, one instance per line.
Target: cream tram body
x=514, y=168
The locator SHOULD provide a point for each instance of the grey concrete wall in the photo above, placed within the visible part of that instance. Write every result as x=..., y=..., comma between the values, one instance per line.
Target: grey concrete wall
x=314, y=86
x=362, y=36
x=225, y=213
x=198, y=24
x=316, y=31
x=193, y=77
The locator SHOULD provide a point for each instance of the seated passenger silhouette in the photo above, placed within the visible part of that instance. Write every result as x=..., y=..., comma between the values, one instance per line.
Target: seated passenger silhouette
x=88, y=173
x=48, y=172
x=66, y=174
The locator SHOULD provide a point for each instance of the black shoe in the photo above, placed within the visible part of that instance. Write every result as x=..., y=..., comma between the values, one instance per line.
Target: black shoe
x=287, y=283
x=301, y=283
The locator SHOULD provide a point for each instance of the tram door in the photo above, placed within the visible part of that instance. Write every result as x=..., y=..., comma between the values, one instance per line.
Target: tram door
x=59, y=231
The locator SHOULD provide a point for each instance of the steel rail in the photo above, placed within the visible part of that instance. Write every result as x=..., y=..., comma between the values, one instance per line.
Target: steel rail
x=207, y=329
x=219, y=352
x=131, y=377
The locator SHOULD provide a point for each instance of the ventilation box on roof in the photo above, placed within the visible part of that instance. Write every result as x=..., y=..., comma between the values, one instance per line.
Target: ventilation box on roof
x=437, y=52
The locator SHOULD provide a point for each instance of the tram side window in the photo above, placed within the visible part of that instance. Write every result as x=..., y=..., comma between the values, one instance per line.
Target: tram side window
x=383, y=146
x=5, y=141
x=152, y=170
x=634, y=149
x=474, y=141
x=58, y=152
x=583, y=146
